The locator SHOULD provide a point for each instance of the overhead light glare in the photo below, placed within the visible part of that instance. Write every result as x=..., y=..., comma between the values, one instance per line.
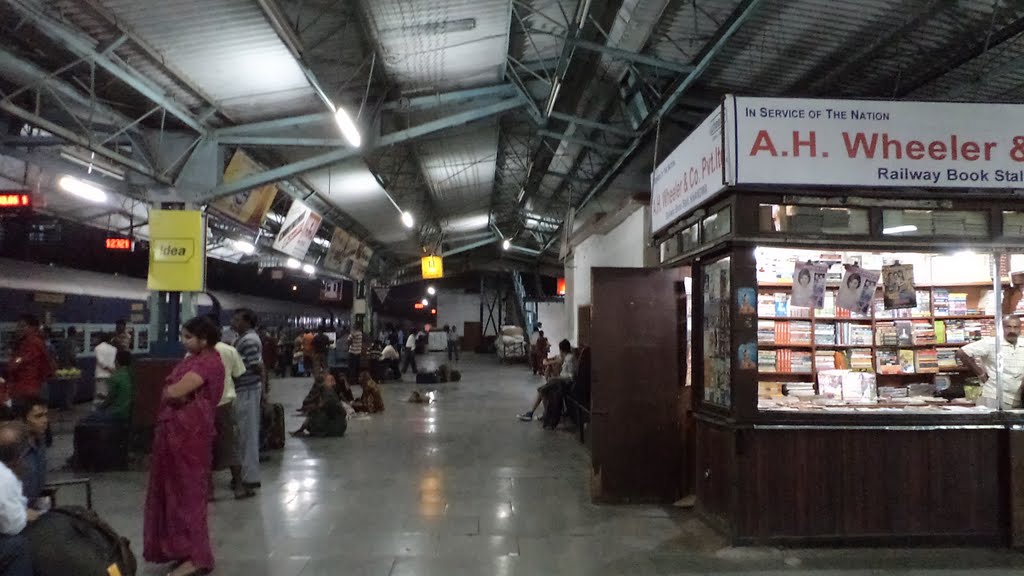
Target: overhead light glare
x=424, y=301
x=407, y=219
x=899, y=229
x=347, y=127
x=82, y=189
x=506, y=244
x=431, y=290
x=308, y=269
x=243, y=246
x=293, y=264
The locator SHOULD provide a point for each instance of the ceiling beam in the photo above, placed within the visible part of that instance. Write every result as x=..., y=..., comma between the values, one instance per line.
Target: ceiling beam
x=329, y=158
x=633, y=56
x=85, y=48
x=427, y=101
x=581, y=142
x=743, y=12
x=595, y=125
x=281, y=141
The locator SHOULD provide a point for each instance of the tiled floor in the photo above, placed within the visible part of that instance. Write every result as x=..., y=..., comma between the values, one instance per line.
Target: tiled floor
x=462, y=487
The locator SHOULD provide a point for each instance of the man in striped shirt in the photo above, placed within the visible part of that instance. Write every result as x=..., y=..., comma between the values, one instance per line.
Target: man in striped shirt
x=249, y=388
x=355, y=353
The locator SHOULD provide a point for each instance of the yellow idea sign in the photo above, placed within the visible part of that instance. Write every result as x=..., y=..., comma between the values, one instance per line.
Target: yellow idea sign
x=177, y=251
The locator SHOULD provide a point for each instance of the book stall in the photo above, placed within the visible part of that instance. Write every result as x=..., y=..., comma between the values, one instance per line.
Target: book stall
x=857, y=269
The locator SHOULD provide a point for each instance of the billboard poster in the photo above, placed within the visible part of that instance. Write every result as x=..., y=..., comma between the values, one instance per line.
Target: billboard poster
x=793, y=141
x=690, y=175
x=348, y=255
x=250, y=207
x=297, y=231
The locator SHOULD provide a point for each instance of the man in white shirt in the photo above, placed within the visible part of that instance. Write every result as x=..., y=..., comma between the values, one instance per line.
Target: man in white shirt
x=563, y=381
x=15, y=555
x=980, y=357
x=226, y=445
x=106, y=355
x=410, y=353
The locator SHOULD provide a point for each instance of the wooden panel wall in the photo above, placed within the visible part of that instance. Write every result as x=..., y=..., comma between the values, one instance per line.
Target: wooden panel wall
x=714, y=473
x=871, y=483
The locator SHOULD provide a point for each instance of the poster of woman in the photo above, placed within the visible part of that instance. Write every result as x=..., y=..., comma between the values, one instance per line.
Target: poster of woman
x=809, y=284
x=857, y=289
x=898, y=286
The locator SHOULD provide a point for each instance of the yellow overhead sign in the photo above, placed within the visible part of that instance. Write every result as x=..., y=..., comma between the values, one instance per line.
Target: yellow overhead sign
x=432, y=267
x=177, y=251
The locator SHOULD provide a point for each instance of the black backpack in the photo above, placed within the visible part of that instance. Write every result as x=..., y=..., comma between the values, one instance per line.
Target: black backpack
x=88, y=546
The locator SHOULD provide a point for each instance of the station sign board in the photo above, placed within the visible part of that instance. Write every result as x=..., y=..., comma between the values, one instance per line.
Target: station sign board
x=690, y=175
x=794, y=141
x=177, y=251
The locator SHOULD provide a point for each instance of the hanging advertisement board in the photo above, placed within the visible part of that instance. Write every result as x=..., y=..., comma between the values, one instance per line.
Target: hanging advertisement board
x=297, y=231
x=177, y=251
x=250, y=207
x=690, y=175
x=874, y=143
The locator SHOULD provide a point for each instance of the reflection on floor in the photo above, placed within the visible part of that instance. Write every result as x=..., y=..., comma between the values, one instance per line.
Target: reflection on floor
x=461, y=487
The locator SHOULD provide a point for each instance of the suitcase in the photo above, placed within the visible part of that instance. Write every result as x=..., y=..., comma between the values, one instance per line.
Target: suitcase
x=99, y=448
x=272, y=432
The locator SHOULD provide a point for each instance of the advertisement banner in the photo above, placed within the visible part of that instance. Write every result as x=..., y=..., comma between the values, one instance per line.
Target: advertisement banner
x=690, y=175
x=297, y=231
x=348, y=255
x=874, y=143
x=177, y=251
x=249, y=208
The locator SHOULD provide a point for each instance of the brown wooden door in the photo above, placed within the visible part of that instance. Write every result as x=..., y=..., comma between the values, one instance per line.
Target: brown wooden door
x=636, y=438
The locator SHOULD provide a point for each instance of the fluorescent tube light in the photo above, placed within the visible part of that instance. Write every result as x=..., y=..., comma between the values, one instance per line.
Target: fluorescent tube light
x=407, y=219
x=82, y=189
x=347, y=127
x=900, y=229
x=293, y=264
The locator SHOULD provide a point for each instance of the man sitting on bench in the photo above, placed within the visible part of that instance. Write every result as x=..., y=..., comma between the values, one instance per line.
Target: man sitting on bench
x=561, y=382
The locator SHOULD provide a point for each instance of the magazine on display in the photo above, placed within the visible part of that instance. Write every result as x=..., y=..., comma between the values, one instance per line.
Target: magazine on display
x=809, y=284
x=857, y=289
x=898, y=286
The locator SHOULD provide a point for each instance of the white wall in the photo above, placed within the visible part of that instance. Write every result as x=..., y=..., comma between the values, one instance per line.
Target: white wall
x=555, y=322
x=455, y=308
x=625, y=246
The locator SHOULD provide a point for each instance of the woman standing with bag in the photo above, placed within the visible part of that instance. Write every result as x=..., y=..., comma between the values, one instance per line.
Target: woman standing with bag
x=175, y=528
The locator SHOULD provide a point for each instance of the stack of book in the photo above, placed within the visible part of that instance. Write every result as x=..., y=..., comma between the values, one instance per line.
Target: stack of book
x=824, y=333
x=920, y=389
x=888, y=362
x=860, y=359
x=800, y=363
x=954, y=332
x=799, y=332
x=978, y=329
x=766, y=361
x=800, y=389
x=941, y=302
x=880, y=311
x=907, y=358
x=849, y=333
x=923, y=333
x=829, y=309
x=892, y=392
x=766, y=331
x=926, y=361
x=957, y=304
x=766, y=304
x=924, y=305
x=945, y=358
x=886, y=334
x=781, y=304
x=824, y=360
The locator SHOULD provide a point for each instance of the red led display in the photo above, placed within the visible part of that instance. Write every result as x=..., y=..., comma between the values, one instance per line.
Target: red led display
x=15, y=200
x=122, y=244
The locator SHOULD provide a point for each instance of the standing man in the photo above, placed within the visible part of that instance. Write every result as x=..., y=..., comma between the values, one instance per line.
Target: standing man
x=106, y=363
x=122, y=339
x=453, y=343
x=410, y=352
x=355, y=353
x=31, y=365
x=249, y=388
x=321, y=348
x=980, y=357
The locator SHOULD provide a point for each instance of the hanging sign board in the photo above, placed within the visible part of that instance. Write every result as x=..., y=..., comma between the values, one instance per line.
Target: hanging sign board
x=177, y=251
x=690, y=175
x=297, y=231
x=249, y=207
x=873, y=143
x=432, y=267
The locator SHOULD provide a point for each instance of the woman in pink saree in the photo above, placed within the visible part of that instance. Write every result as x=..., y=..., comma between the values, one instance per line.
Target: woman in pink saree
x=175, y=528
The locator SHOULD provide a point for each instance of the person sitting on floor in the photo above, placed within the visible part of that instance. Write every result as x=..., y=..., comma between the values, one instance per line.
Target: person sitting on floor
x=327, y=418
x=390, y=358
x=15, y=553
x=562, y=381
x=371, y=400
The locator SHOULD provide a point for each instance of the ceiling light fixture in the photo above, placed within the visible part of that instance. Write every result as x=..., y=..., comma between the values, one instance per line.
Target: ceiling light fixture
x=424, y=301
x=348, y=127
x=243, y=246
x=506, y=244
x=293, y=264
x=82, y=189
x=309, y=269
x=431, y=290
x=899, y=229
x=407, y=219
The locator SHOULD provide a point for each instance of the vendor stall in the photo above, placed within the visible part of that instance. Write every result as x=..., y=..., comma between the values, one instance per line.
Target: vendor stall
x=853, y=263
